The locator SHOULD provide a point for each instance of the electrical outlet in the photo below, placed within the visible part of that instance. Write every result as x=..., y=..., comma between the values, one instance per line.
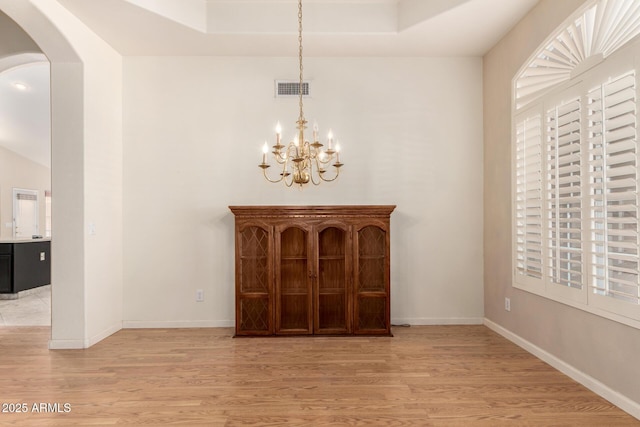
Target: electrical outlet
x=507, y=304
x=42, y=256
x=199, y=295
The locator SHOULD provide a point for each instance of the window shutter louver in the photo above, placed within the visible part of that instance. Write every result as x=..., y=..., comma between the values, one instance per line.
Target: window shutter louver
x=564, y=195
x=529, y=198
x=602, y=29
x=576, y=165
x=613, y=187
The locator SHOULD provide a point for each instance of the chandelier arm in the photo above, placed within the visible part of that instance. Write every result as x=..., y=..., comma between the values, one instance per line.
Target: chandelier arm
x=326, y=162
x=311, y=158
x=285, y=171
x=284, y=164
x=264, y=171
x=280, y=158
x=292, y=152
x=332, y=179
x=317, y=172
x=288, y=183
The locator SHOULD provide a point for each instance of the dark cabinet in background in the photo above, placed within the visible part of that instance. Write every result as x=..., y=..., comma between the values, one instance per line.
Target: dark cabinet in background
x=6, y=268
x=303, y=270
x=24, y=265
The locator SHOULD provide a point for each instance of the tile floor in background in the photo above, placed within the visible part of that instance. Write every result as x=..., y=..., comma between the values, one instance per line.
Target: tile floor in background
x=33, y=308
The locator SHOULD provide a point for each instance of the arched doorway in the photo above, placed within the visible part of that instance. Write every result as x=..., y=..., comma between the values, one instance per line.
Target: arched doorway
x=25, y=188
x=83, y=266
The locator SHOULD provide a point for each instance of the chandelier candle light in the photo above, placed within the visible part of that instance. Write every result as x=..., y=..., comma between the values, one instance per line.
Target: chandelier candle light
x=302, y=161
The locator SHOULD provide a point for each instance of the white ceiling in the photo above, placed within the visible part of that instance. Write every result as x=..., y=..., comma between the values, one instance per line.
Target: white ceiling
x=331, y=27
x=25, y=126
x=254, y=27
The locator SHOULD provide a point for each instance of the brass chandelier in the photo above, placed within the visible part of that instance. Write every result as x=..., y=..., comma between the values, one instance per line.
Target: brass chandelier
x=302, y=161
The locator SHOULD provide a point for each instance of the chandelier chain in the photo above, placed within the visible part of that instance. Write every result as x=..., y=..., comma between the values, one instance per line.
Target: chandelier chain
x=300, y=56
x=302, y=161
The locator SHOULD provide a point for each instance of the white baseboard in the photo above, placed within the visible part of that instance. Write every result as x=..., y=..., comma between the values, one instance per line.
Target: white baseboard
x=153, y=324
x=422, y=321
x=66, y=344
x=150, y=324
x=85, y=343
x=620, y=400
x=104, y=334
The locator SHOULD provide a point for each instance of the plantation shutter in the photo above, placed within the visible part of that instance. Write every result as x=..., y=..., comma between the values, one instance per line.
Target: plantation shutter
x=614, y=186
x=564, y=195
x=529, y=198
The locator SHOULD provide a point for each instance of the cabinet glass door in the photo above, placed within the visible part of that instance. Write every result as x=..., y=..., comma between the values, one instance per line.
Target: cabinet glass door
x=293, y=311
x=372, y=267
x=331, y=297
x=254, y=284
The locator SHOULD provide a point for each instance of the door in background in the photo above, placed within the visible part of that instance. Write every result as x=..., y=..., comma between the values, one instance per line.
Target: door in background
x=25, y=213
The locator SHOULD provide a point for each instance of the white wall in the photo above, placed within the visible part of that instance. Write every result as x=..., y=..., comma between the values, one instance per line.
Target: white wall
x=86, y=82
x=17, y=171
x=595, y=350
x=103, y=191
x=411, y=132
x=96, y=182
x=14, y=40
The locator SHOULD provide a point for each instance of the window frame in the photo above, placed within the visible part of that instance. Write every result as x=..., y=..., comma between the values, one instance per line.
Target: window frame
x=624, y=60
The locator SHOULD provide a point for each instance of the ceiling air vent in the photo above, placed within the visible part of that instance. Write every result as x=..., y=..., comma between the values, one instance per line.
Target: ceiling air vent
x=289, y=88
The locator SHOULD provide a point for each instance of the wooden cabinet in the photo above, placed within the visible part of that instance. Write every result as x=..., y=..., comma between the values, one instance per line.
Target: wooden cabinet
x=333, y=283
x=303, y=270
x=254, y=278
x=293, y=279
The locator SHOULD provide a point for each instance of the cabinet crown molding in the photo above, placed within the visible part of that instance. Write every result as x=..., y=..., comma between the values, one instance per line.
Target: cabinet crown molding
x=315, y=211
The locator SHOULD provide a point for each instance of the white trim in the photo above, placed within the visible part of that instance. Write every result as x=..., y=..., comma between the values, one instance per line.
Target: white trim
x=104, y=334
x=87, y=342
x=161, y=324
x=602, y=390
x=417, y=321
x=594, y=31
x=625, y=60
x=66, y=344
x=552, y=36
x=581, y=306
x=20, y=60
x=35, y=193
x=428, y=321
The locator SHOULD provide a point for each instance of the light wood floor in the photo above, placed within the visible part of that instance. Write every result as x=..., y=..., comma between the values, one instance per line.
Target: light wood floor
x=424, y=376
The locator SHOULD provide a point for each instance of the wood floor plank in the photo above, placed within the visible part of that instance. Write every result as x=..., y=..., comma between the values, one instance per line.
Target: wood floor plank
x=440, y=376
